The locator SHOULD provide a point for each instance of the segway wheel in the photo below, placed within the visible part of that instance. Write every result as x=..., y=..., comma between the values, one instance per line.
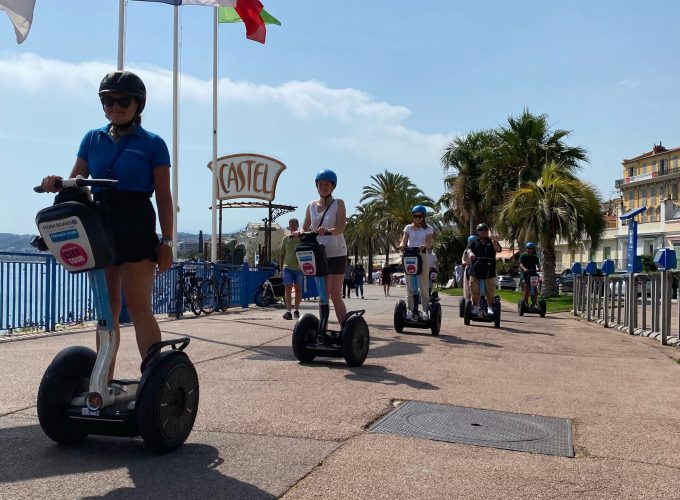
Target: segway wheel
x=305, y=332
x=497, y=312
x=263, y=298
x=355, y=341
x=67, y=376
x=461, y=306
x=521, y=306
x=435, y=318
x=399, y=315
x=167, y=403
x=543, y=308
x=468, y=312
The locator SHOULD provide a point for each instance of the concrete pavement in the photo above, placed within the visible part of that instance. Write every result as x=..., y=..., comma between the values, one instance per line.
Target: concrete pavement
x=269, y=427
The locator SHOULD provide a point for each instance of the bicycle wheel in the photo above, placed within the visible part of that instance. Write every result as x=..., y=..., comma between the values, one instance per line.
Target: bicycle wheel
x=195, y=299
x=225, y=294
x=207, y=297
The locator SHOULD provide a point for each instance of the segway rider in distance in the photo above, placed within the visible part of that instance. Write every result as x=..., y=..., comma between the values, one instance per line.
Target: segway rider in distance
x=529, y=264
x=418, y=234
x=483, y=256
x=292, y=276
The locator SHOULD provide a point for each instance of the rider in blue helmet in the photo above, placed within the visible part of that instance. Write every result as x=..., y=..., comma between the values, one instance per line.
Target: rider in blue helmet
x=328, y=217
x=419, y=234
x=529, y=265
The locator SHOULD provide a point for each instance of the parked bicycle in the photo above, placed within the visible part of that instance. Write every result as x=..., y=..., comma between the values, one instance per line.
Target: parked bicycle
x=187, y=293
x=216, y=294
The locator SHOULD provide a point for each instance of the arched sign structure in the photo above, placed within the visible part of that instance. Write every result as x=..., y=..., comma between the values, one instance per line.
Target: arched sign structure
x=253, y=176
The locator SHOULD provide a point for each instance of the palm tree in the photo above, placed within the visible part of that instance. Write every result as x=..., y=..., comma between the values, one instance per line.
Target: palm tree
x=465, y=156
x=365, y=223
x=522, y=148
x=391, y=197
x=557, y=205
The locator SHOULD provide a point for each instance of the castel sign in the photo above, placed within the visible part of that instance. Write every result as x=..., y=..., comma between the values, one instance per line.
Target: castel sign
x=247, y=175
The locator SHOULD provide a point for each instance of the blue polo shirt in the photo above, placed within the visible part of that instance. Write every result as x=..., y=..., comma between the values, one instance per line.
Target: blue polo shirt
x=131, y=161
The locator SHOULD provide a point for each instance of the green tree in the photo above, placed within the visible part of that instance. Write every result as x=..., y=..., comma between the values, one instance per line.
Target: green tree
x=390, y=198
x=556, y=206
x=462, y=160
x=520, y=151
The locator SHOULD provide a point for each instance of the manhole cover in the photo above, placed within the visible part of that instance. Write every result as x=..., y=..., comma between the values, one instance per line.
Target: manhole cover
x=496, y=429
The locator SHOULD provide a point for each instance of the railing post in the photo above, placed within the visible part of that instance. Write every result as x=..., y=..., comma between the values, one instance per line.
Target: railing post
x=606, y=301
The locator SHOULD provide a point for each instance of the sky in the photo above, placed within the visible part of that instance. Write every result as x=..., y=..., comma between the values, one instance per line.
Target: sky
x=358, y=87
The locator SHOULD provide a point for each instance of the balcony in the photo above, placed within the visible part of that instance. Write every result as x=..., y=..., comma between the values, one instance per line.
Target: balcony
x=646, y=177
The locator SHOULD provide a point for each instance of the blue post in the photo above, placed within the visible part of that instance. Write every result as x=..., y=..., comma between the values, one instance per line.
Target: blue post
x=244, y=285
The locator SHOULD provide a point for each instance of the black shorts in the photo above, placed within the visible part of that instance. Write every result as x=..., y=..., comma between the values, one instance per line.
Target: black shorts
x=336, y=265
x=131, y=221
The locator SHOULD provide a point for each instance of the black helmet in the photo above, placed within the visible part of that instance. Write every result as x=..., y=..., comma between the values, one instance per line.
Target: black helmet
x=482, y=227
x=127, y=83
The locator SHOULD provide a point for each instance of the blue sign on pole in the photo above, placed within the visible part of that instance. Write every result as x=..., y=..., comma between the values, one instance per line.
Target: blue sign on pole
x=632, y=245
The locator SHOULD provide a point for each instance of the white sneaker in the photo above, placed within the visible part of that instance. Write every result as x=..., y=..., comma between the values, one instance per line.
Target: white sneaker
x=424, y=316
x=475, y=310
x=409, y=314
x=490, y=311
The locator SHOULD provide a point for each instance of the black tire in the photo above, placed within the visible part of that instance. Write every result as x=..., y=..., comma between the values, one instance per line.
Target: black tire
x=461, y=306
x=263, y=297
x=355, y=341
x=467, y=314
x=399, y=315
x=435, y=318
x=225, y=294
x=207, y=297
x=497, y=312
x=167, y=403
x=520, y=307
x=67, y=376
x=304, y=332
x=177, y=305
x=543, y=307
x=195, y=299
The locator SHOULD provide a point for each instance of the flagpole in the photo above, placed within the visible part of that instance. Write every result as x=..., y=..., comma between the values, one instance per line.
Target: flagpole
x=175, y=129
x=121, y=35
x=214, y=243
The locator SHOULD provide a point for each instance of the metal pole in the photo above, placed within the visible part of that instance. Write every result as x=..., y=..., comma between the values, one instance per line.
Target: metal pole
x=213, y=249
x=606, y=301
x=121, y=35
x=631, y=299
x=175, y=129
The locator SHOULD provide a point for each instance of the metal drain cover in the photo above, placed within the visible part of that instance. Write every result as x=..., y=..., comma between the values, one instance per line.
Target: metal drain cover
x=495, y=429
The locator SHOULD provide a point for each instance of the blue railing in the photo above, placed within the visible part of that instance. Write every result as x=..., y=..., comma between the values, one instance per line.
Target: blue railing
x=37, y=294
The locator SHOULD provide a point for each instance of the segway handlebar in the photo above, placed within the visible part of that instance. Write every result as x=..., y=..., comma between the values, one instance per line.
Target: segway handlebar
x=79, y=181
x=420, y=249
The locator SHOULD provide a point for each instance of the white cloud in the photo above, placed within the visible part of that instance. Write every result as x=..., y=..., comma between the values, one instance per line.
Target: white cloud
x=359, y=122
x=629, y=83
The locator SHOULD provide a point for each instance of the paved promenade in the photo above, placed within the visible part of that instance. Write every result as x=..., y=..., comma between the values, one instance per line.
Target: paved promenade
x=269, y=427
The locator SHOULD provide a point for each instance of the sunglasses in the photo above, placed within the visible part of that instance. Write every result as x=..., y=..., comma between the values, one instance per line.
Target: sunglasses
x=123, y=101
x=417, y=216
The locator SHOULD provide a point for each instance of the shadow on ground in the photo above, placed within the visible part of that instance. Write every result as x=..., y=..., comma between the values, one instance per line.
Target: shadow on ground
x=189, y=472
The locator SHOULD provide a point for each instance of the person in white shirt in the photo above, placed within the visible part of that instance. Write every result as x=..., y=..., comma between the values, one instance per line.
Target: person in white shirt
x=419, y=234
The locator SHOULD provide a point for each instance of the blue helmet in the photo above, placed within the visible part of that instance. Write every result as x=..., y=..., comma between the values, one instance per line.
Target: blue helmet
x=531, y=244
x=471, y=238
x=327, y=175
x=419, y=208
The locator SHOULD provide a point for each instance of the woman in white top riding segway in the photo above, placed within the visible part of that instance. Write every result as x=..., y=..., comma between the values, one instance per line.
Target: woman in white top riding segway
x=419, y=234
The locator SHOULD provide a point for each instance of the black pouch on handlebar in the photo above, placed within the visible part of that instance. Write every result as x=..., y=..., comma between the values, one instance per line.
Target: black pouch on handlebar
x=412, y=260
x=75, y=236
x=311, y=257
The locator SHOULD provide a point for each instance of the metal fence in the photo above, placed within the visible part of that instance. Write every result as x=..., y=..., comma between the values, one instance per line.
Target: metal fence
x=37, y=294
x=639, y=304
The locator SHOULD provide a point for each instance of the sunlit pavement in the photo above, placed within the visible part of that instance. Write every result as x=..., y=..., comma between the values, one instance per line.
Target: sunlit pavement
x=269, y=426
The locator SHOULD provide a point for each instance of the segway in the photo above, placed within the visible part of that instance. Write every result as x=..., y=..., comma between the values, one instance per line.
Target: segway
x=311, y=337
x=536, y=306
x=466, y=291
x=413, y=263
x=483, y=315
x=76, y=397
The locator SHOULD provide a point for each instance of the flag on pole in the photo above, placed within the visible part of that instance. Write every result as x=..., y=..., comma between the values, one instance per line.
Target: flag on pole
x=20, y=12
x=230, y=15
x=251, y=12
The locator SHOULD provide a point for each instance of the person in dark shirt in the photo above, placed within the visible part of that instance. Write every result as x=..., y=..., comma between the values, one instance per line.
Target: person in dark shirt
x=386, y=279
x=529, y=265
x=483, y=257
